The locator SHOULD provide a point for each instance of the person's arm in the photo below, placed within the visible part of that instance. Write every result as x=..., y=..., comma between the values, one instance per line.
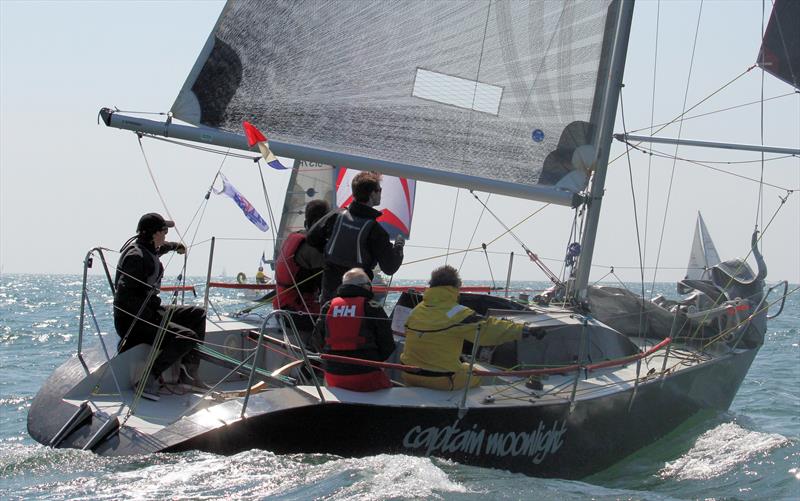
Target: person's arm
x=172, y=246
x=493, y=330
x=389, y=256
x=382, y=328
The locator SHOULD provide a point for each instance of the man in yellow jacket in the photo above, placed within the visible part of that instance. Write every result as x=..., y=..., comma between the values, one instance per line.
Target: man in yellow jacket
x=437, y=328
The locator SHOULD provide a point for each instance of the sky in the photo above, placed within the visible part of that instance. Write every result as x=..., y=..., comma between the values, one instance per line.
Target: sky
x=68, y=184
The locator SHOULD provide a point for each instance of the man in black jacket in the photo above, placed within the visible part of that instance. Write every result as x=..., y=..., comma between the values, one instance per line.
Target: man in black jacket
x=138, y=312
x=354, y=239
x=353, y=325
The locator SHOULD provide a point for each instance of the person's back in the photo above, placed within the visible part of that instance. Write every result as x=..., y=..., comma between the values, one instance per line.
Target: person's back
x=353, y=238
x=437, y=328
x=354, y=326
x=298, y=267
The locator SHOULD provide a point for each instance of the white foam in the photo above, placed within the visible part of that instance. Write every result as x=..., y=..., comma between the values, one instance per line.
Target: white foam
x=720, y=450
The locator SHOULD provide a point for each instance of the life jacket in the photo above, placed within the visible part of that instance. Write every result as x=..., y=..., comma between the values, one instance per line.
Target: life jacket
x=347, y=247
x=286, y=268
x=344, y=322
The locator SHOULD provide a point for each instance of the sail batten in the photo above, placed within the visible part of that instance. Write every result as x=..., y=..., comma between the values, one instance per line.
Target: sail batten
x=471, y=90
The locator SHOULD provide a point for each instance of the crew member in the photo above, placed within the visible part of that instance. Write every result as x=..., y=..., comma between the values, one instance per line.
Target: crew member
x=298, y=274
x=356, y=326
x=138, y=312
x=261, y=278
x=353, y=238
x=437, y=328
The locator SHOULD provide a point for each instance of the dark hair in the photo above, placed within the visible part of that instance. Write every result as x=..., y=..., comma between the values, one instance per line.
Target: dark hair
x=445, y=275
x=364, y=184
x=315, y=209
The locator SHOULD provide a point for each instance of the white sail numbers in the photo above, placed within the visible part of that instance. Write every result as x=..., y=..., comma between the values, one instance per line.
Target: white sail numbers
x=536, y=444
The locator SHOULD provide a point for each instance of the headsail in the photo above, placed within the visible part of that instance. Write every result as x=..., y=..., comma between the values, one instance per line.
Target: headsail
x=497, y=96
x=703, y=255
x=780, y=48
x=309, y=181
x=397, y=200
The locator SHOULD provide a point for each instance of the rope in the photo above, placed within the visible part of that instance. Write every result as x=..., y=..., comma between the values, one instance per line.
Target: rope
x=155, y=184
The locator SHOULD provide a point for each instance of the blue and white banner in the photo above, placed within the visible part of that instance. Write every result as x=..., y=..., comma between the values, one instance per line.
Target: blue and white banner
x=249, y=211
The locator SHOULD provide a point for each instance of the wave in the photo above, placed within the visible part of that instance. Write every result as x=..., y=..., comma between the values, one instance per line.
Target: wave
x=719, y=450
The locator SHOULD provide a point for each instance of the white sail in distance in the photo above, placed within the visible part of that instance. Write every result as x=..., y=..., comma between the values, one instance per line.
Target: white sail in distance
x=704, y=254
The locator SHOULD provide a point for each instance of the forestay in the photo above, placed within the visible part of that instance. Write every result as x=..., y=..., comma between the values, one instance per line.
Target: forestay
x=492, y=95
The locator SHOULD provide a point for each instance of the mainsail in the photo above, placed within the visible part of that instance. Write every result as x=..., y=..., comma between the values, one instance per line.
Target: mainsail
x=492, y=95
x=703, y=255
x=780, y=48
x=397, y=200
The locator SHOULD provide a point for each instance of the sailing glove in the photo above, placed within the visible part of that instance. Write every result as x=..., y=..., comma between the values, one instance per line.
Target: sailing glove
x=400, y=241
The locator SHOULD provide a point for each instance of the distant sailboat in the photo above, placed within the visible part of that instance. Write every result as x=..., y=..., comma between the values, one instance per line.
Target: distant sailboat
x=703, y=255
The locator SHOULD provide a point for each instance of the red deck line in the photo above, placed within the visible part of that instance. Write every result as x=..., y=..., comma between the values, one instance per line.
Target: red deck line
x=226, y=285
x=523, y=373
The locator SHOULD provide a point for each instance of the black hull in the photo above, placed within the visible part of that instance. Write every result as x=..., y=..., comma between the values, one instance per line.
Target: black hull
x=538, y=440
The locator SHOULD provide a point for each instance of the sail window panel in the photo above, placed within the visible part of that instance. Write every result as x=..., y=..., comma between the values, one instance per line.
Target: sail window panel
x=505, y=81
x=456, y=91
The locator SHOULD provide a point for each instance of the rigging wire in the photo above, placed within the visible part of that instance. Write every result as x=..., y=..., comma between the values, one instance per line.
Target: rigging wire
x=704, y=163
x=635, y=219
x=206, y=149
x=155, y=184
x=452, y=224
x=760, y=202
x=475, y=229
x=680, y=129
x=681, y=116
x=714, y=112
x=533, y=257
x=652, y=120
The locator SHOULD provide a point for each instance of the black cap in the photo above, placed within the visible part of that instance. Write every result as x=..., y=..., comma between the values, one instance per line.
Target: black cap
x=153, y=222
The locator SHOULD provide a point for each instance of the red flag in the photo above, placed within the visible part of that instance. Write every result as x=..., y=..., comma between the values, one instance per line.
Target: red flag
x=254, y=136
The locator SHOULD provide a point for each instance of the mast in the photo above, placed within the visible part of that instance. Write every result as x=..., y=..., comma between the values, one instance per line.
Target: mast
x=608, y=111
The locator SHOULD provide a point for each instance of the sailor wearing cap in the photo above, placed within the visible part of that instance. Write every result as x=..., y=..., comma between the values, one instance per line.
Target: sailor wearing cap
x=138, y=311
x=353, y=325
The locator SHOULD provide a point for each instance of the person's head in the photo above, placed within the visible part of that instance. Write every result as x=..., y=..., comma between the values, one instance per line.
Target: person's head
x=153, y=227
x=260, y=268
x=367, y=188
x=315, y=209
x=444, y=276
x=357, y=276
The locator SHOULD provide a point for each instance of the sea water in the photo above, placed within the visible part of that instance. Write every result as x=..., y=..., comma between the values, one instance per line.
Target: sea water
x=750, y=452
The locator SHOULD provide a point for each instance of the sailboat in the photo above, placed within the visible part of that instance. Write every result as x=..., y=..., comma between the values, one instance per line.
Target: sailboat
x=439, y=92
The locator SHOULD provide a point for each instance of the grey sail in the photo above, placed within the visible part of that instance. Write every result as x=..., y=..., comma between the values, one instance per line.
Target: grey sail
x=491, y=95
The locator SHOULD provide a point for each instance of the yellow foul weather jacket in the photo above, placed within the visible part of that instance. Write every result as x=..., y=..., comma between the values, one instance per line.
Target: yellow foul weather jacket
x=435, y=333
